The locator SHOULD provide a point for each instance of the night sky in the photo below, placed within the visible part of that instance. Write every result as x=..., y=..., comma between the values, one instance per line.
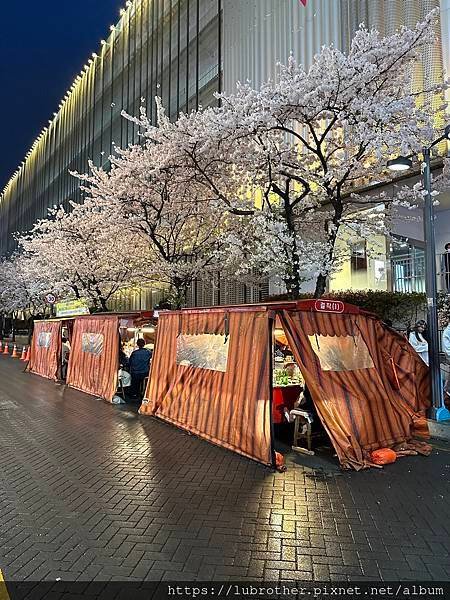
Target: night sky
x=43, y=46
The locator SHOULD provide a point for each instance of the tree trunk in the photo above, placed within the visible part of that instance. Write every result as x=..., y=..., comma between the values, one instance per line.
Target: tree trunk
x=321, y=286
x=293, y=283
x=30, y=329
x=179, y=293
x=76, y=291
x=180, y=298
x=103, y=304
x=332, y=231
x=292, y=289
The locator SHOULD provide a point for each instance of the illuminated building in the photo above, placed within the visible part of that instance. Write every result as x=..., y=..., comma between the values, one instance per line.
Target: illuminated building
x=185, y=51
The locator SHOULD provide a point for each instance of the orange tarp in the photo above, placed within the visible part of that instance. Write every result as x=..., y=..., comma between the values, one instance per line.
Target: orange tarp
x=228, y=407
x=94, y=356
x=45, y=356
x=370, y=388
x=346, y=362
x=407, y=373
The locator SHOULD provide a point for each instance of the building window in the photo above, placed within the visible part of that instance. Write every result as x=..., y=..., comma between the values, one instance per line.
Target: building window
x=359, y=256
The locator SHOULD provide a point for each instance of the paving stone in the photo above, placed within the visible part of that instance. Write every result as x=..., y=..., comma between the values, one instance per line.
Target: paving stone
x=92, y=492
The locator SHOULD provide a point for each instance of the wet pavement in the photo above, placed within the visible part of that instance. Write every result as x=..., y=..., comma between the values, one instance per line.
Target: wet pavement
x=91, y=491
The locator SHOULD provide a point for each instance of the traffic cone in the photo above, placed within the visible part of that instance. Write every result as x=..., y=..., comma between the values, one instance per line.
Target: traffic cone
x=27, y=357
x=14, y=352
x=23, y=356
x=1, y=346
x=6, y=349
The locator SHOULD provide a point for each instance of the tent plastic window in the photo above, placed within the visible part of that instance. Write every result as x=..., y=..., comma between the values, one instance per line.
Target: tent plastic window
x=341, y=353
x=205, y=351
x=92, y=343
x=44, y=339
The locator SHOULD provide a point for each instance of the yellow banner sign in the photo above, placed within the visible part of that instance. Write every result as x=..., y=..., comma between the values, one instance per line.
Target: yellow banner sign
x=71, y=308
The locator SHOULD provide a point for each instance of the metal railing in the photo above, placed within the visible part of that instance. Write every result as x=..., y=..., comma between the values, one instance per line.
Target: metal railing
x=408, y=273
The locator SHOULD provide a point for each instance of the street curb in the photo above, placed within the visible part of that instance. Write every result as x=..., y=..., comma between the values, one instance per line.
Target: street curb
x=439, y=430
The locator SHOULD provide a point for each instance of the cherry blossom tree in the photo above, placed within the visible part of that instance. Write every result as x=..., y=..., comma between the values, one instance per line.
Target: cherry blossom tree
x=248, y=245
x=22, y=289
x=301, y=150
x=262, y=185
x=183, y=230
x=84, y=254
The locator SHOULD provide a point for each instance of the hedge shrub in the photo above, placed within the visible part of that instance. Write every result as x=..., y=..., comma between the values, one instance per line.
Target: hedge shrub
x=401, y=309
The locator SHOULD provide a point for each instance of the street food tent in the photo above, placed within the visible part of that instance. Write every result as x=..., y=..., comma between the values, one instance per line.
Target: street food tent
x=212, y=367
x=45, y=352
x=94, y=354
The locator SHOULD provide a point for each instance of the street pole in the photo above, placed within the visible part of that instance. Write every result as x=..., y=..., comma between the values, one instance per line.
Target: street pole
x=431, y=290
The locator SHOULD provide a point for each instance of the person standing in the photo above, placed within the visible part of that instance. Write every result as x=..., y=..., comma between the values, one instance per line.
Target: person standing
x=446, y=266
x=65, y=357
x=419, y=342
x=139, y=365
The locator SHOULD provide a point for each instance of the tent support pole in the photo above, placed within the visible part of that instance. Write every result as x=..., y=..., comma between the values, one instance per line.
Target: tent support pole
x=271, y=322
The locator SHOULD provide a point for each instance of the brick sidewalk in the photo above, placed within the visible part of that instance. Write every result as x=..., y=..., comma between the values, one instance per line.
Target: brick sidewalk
x=89, y=491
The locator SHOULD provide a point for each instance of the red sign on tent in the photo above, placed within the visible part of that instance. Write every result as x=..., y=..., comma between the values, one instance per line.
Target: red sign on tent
x=333, y=306
x=303, y=2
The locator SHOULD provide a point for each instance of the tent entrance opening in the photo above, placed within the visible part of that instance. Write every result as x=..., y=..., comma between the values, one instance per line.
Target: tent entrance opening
x=297, y=425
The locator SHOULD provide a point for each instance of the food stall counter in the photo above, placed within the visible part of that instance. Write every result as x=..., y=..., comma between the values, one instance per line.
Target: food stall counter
x=287, y=386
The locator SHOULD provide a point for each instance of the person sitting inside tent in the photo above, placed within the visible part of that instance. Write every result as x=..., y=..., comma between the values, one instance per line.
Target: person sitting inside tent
x=139, y=364
x=304, y=403
x=124, y=377
x=123, y=358
x=280, y=349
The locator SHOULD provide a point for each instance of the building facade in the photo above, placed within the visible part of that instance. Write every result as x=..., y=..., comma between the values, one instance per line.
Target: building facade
x=166, y=48
x=185, y=51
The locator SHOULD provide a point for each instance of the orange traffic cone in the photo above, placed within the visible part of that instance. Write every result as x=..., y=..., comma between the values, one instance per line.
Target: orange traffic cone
x=14, y=352
x=1, y=346
x=6, y=350
x=27, y=356
x=24, y=353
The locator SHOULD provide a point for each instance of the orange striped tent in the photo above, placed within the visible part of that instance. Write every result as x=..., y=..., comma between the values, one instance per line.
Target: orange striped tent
x=94, y=357
x=353, y=366
x=211, y=375
x=94, y=353
x=45, y=356
x=226, y=401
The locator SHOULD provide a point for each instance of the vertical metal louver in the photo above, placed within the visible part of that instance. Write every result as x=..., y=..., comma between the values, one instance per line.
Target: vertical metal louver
x=259, y=33
x=169, y=48
x=389, y=15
